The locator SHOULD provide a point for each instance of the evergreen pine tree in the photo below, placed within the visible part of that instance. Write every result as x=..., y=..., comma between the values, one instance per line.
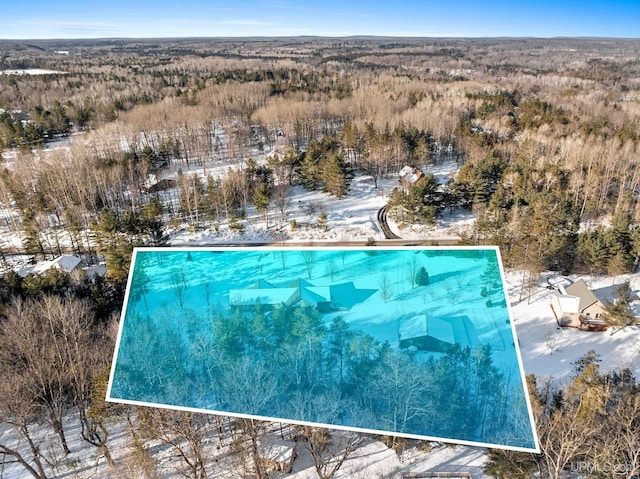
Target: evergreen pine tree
x=31, y=240
x=335, y=175
x=151, y=223
x=618, y=314
x=309, y=170
x=261, y=201
x=422, y=277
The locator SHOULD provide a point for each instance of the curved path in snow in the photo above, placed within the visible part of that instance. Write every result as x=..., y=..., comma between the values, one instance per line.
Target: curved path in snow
x=382, y=219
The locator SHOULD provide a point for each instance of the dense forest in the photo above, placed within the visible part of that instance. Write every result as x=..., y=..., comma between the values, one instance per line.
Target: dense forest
x=546, y=132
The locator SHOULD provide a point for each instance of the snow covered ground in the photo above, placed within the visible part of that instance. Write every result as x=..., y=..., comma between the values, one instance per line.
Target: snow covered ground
x=349, y=219
x=353, y=218
x=374, y=460
x=546, y=350
x=32, y=71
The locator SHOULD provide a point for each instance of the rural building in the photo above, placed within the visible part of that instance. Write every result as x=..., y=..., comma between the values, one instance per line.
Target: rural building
x=434, y=334
x=262, y=292
x=67, y=262
x=577, y=307
x=299, y=292
x=308, y=295
x=409, y=175
x=162, y=185
x=277, y=455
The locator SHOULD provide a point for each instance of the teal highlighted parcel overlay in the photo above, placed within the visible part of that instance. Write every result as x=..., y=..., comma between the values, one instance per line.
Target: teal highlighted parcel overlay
x=412, y=342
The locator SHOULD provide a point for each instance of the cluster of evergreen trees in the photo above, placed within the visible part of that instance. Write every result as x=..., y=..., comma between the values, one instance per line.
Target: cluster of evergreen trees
x=29, y=131
x=323, y=166
x=421, y=202
x=530, y=212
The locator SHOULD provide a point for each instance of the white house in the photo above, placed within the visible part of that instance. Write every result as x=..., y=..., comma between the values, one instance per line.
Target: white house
x=67, y=262
x=409, y=175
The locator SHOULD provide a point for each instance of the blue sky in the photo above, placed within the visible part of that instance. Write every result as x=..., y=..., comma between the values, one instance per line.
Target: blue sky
x=213, y=18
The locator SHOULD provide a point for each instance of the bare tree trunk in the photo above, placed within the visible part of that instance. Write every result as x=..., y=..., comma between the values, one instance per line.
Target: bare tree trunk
x=328, y=454
x=56, y=423
x=38, y=470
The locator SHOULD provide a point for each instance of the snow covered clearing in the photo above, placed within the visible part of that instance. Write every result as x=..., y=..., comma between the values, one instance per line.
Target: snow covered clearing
x=548, y=350
x=352, y=218
x=32, y=71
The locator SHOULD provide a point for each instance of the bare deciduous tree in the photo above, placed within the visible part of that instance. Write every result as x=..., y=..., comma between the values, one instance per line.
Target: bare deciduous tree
x=309, y=257
x=328, y=450
x=54, y=351
x=18, y=411
x=386, y=287
x=185, y=432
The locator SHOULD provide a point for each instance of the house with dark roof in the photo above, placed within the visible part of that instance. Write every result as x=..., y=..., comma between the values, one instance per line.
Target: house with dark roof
x=162, y=185
x=299, y=292
x=436, y=334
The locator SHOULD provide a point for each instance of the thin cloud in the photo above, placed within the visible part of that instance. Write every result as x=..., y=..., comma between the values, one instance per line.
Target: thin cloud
x=288, y=6
x=74, y=26
x=250, y=23
x=230, y=22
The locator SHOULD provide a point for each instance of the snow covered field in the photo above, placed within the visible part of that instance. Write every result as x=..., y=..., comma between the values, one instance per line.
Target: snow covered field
x=353, y=218
x=32, y=71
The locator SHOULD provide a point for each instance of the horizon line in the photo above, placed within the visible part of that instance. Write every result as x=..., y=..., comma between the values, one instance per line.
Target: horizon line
x=327, y=37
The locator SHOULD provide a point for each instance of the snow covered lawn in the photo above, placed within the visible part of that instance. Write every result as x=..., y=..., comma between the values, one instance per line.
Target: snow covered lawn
x=548, y=350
